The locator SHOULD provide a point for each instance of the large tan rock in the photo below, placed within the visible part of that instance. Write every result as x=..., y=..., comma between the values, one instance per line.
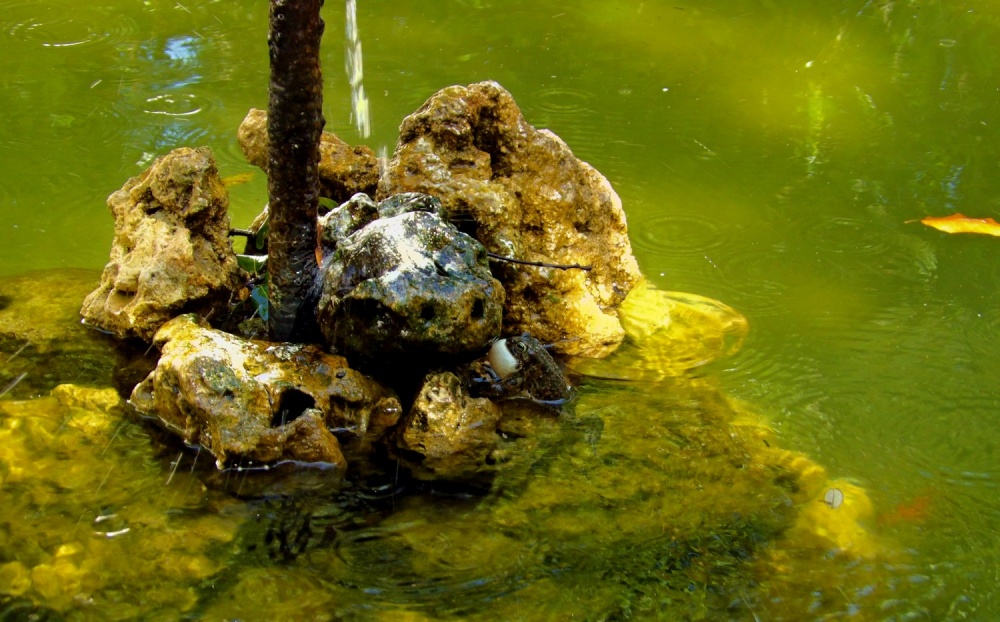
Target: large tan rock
x=343, y=170
x=171, y=251
x=261, y=401
x=526, y=197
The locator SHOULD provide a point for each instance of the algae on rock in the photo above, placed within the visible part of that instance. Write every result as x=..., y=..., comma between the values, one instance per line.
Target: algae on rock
x=41, y=340
x=260, y=401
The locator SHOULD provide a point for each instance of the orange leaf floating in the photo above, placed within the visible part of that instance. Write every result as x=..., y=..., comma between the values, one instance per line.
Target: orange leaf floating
x=958, y=223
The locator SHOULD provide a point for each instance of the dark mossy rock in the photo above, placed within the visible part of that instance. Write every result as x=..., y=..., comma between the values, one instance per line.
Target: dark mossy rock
x=406, y=285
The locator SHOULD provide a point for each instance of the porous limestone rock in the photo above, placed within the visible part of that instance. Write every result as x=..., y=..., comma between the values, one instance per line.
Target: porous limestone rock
x=170, y=252
x=260, y=401
x=522, y=193
x=447, y=434
x=408, y=284
x=343, y=170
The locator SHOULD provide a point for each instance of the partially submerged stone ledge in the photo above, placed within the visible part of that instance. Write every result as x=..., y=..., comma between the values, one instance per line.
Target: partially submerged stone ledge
x=259, y=401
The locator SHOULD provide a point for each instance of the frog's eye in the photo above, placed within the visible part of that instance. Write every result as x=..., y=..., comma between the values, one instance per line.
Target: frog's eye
x=513, y=382
x=520, y=345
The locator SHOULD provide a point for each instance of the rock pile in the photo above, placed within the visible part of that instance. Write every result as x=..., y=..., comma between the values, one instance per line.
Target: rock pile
x=486, y=227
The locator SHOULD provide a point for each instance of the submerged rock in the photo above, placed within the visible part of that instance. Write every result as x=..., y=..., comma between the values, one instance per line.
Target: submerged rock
x=447, y=434
x=111, y=513
x=343, y=170
x=668, y=334
x=260, y=401
x=408, y=284
x=170, y=253
x=522, y=193
x=42, y=343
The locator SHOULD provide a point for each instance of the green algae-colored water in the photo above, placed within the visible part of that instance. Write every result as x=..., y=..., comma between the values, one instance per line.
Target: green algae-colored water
x=768, y=155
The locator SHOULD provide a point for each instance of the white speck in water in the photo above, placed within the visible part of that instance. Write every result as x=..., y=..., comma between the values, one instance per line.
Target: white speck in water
x=833, y=498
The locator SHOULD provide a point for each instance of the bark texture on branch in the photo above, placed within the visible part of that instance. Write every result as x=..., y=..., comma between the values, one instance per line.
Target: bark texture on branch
x=295, y=122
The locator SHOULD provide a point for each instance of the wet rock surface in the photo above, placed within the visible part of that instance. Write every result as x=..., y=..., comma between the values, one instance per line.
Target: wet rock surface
x=448, y=434
x=522, y=193
x=405, y=284
x=170, y=252
x=343, y=170
x=259, y=401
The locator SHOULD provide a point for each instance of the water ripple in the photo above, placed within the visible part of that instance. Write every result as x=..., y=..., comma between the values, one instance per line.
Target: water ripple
x=844, y=235
x=173, y=104
x=678, y=234
x=562, y=100
x=752, y=276
x=408, y=562
x=63, y=24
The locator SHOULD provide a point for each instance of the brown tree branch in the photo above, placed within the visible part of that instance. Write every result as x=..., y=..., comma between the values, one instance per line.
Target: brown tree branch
x=295, y=122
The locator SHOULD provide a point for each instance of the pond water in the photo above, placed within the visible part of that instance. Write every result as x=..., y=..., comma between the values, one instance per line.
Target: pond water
x=769, y=155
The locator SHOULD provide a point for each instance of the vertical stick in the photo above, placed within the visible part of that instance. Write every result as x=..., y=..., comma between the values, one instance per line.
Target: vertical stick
x=294, y=124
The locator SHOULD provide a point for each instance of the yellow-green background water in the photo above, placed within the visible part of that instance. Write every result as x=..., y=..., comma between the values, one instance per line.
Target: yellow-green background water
x=768, y=154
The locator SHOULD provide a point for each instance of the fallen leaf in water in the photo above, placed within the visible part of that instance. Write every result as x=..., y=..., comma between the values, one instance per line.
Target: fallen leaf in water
x=959, y=223
x=237, y=180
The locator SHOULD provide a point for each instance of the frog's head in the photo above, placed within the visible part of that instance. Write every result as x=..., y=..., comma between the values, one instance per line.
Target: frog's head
x=511, y=354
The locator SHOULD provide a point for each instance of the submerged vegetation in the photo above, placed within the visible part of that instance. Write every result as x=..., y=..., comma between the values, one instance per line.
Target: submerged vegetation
x=640, y=500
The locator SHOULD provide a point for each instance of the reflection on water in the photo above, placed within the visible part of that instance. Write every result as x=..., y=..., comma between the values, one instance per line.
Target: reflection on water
x=767, y=156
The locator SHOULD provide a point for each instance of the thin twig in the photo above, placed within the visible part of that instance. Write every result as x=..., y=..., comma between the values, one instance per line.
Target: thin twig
x=13, y=383
x=19, y=350
x=541, y=264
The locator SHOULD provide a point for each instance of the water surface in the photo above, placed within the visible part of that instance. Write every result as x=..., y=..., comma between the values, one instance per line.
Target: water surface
x=768, y=155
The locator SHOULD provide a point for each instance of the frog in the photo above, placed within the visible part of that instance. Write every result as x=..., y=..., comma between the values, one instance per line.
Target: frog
x=521, y=367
